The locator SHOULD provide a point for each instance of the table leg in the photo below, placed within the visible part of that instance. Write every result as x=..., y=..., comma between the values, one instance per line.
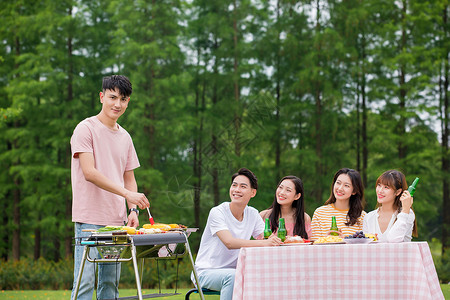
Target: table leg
x=83, y=261
x=136, y=271
x=193, y=269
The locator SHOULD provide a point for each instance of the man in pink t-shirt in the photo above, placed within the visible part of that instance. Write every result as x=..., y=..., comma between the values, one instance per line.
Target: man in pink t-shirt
x=103, y=163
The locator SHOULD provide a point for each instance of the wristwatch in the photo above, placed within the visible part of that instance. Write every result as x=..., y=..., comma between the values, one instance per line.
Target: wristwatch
x=135, y=210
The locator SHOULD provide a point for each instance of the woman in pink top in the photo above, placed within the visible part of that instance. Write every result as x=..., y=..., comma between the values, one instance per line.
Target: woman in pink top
x=289, y=204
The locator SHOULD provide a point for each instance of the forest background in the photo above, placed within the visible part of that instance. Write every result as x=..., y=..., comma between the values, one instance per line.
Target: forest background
x=280, y=87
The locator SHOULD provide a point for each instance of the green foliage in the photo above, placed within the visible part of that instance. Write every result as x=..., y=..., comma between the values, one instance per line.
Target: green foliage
x=282, y=81
x=42, y=274
x=28, y=274
x=441, y=262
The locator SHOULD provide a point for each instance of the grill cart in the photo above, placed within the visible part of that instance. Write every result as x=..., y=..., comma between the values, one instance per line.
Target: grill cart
x=121, y=247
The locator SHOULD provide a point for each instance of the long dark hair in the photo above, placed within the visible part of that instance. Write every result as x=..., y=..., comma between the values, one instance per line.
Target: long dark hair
x=299, y=214
x=357, y=202
x=395, y=180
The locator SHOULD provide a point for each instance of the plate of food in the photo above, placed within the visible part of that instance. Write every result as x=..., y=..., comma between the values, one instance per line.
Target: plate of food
x=357, y=240
x=296, y=244
x=329, y=240
x=360, y=238
x=295, y=241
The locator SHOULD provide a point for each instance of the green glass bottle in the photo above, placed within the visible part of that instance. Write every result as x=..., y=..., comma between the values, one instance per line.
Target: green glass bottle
x=281, y=230
x=267, y=230
x=334, y=226
x=412, y=187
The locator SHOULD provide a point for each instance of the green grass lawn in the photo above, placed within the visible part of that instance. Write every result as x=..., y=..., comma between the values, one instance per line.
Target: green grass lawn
x=58, y=295
x=446, y=290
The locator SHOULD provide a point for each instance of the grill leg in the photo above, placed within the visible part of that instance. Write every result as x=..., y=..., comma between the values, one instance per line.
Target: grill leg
x=193, y=269
x=141, y=260
x=83, y=261
x=136, y=271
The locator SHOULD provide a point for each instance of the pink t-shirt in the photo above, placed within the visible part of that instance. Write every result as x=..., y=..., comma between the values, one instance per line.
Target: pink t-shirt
x=290, y=229
x=114, y=154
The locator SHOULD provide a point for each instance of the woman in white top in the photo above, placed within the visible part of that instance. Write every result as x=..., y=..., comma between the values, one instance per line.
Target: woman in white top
x=393, y=221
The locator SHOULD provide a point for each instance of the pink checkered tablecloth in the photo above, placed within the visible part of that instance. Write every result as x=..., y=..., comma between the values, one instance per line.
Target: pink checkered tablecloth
x=340, y=271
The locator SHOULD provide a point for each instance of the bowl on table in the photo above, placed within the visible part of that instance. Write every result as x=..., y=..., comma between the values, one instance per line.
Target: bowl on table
x=357, y=240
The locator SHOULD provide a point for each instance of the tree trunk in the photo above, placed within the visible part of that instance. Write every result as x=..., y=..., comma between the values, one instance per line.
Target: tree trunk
x=445, y=150
x=358, y=125
x=198, y=146
x=5, y=235
x=215, y=175
x=56, y=248
x=364, y=115
x=151, y=132
x=402, y=105
x=68, y=153
x=318, y=114
x=16, y=221
x=214, y=144
x=37, y=240
x=151, y=109
x=237, y=117
x=16, y=191
x=277, y=112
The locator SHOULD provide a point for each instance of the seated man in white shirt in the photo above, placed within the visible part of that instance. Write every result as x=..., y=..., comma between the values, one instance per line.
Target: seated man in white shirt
x=229, y=227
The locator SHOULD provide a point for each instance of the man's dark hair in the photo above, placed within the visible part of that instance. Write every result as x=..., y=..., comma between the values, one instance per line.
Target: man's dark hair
x=117, y=81
x=249, y=174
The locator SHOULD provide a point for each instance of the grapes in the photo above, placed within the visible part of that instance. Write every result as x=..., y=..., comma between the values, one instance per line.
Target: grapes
x=356, y=235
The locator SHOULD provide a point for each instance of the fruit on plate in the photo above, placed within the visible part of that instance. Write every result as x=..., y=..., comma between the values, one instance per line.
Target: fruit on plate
x=328, y=239
x=293, y=239
x=362, y=235
x=356, y=235
x=371, y=236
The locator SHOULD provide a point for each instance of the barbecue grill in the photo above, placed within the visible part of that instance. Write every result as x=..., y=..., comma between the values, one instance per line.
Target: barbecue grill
x=117, y=246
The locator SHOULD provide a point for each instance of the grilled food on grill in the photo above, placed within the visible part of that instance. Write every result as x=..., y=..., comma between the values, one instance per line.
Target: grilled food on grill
x=129, y=230
x=109, y=228
x=149, y=231
x=162, y=226
x=157, y=226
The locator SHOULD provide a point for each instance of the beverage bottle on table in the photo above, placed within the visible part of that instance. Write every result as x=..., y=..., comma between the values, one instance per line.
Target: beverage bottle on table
x=281, y=230
x=412, y=187
x=334, y=226
x=267, y=230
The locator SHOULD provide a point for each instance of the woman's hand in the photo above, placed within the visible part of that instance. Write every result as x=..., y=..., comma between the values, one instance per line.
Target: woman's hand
x=339, y=232
x=407, y=201
x=273, y=240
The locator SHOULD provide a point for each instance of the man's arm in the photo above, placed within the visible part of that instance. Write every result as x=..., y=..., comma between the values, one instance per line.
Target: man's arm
x=94, y=176
x=233, y=243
